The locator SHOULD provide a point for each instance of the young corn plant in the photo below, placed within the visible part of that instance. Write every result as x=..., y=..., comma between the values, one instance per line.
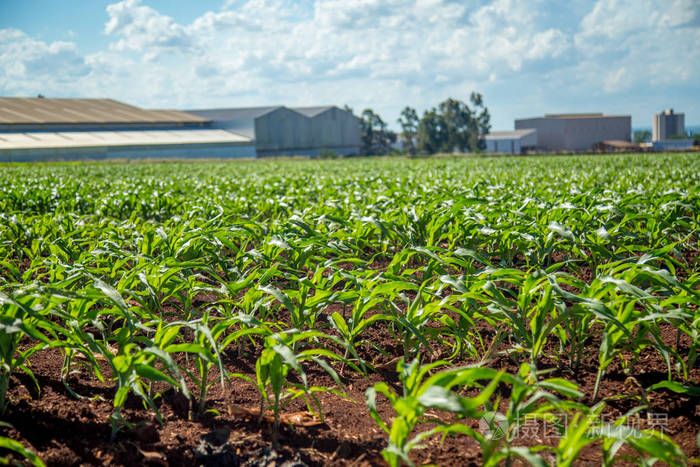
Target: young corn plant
x=535, y=313
x=20, y=449
x=532, y=400
x=422, y=391
x=19, y=319
x=210, y=339
x=272, y=375
x=352, y=328
x=413, y=323
x=585, y=427
x=134, y=369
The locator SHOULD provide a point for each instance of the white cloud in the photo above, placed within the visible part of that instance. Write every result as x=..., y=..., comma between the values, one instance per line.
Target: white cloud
x=142, y=27
x=615, y=80
x=382, y=54
x=647, y=43
x=30, y=65
x=615, y=19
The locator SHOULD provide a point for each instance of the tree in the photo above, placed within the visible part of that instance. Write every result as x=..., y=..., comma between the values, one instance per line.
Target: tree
x=642, y=136
x=455, y=126
x=431, y=132
x=458, y=125
x=376, y=139
x=481, y=122
x=409, y=128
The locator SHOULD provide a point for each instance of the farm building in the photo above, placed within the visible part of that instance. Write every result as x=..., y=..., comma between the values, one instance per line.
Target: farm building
x=667, y=125
x=511, y=142
x=282, y=131
x=577, y=132
x=36, y=129
x=682, y=144
x=619, y=146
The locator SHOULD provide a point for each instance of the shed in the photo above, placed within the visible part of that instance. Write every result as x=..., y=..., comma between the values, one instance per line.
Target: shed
x=511, y=142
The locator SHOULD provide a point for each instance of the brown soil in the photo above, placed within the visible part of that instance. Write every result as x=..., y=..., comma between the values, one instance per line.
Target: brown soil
x=63, y=430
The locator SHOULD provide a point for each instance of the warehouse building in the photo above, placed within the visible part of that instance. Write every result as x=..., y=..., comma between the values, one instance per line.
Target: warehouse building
x=577, y=132
x=668, y=125
x=333, y=129
x=511, y=142
x=282, y=131
x=36, y=129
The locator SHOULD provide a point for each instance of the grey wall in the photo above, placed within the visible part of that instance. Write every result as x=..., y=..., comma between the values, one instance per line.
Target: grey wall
x=577, y=134
x=311, y=152
x=511, y=145
x=335, y=128
x=282, y=129
x=582, y=133
x=550, y=131
x=285, y=132
x=505, y=146
x=133, y=152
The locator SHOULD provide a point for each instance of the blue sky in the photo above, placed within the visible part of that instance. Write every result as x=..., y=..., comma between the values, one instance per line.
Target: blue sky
x=526, y=57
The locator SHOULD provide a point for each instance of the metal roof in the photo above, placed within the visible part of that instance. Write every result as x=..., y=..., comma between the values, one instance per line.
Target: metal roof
x=35, y=110
x=514, y=134
x=583, y=115
x=312, y=111
x=246, y=113
x=77, y=139
x=240, y=120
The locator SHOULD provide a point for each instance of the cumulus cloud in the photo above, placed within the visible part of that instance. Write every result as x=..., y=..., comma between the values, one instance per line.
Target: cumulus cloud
x=29, y=64
x=648, y=43
x=369, y=53
x=142, y=27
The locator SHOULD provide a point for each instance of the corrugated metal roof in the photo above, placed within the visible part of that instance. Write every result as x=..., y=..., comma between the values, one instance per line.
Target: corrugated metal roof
x=312, y=111
x=239, y=120
x=514, y=134
x=78, y=139
x=34, y=110
x=245, y=113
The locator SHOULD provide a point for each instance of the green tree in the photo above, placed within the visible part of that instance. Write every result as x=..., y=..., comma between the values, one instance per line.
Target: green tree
x=409, y=128
x=454, y=125
x=459, y=124
x=481, y=122
x=431, y=132
x=376, y=138
x=641, y=136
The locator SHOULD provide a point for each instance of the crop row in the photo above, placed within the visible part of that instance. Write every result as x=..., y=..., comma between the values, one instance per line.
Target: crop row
x=154, y=276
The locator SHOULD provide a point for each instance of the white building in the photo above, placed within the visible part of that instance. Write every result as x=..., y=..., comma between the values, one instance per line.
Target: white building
x=511, y=142
x=38, y=129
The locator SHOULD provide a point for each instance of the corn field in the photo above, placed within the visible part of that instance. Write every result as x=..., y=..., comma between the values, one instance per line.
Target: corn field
x=450, y=311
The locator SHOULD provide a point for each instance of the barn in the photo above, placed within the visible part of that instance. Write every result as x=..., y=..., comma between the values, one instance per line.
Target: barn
x=39, y=129
x=283, y=131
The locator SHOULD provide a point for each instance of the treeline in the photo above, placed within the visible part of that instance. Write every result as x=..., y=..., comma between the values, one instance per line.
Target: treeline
x=451, y=126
